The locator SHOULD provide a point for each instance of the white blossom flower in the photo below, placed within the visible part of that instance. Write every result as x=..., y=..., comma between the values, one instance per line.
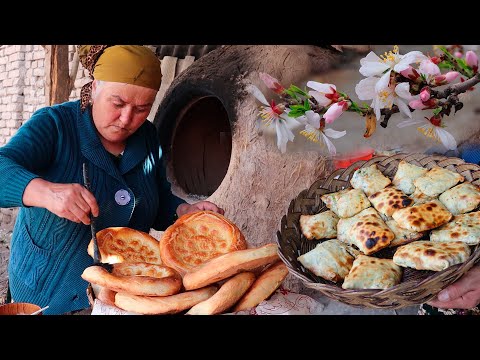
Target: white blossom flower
x=312, y=131
x=373, y=65
x=433, y=129
x=272, y=113
x=384, y=95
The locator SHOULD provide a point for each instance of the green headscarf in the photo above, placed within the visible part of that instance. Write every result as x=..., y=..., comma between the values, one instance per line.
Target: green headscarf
x=130, y=64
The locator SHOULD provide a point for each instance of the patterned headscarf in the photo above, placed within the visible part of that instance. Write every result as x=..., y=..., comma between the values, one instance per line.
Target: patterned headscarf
x=130, y=64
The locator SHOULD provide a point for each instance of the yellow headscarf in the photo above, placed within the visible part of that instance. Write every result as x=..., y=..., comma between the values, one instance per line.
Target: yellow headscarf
x=130, y=64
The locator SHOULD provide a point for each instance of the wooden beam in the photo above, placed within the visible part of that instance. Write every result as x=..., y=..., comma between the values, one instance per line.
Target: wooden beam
x=57, y=84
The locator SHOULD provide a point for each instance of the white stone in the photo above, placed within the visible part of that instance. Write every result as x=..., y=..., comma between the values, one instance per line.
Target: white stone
x=39, y=72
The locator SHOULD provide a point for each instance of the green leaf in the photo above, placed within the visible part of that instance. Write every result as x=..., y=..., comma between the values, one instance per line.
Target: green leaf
x=306, y=105
x=298, y=90
x=296, y=113
x=437, y=110
x=445, y=65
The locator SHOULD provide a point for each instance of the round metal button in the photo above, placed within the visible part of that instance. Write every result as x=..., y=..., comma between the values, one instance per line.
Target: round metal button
x=122, y=197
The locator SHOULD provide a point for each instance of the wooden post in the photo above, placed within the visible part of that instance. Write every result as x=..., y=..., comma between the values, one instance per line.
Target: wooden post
x=57, y=84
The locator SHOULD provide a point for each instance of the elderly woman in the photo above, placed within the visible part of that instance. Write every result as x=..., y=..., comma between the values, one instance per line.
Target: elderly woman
x=41, y=172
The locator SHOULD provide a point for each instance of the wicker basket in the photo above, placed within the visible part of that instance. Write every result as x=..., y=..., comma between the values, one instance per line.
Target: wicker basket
x=417, y=286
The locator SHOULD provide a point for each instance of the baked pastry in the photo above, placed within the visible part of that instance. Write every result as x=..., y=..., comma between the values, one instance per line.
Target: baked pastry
x=420, y=198
x=228, y=294
x=405, y=175
x=461, y=199
x=372, y=273
x=402, y=236
x=437, y=180
x=319, y=226
x=119, y=244
x=346, y=203
x=265, y=285
x=369, y=233
x=198, y=237
x=369, y=179
x=156, y=305
x=136, y=278
x=227, y=265
x=389, y=200
x=331, y=260
x=345, y=225
x=430, y=255
x=422, y=217
x=464, y=227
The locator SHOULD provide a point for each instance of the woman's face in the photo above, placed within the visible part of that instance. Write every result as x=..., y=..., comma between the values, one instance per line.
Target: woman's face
x=119, y=110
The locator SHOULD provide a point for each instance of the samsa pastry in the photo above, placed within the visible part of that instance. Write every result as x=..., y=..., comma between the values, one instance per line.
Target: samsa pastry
x=345, y=225
x=372, y=273
x=464, y=227
x=330, y=260
x=319, y=226
x=389, y=200
x=422, y=217
x=369, y=179
x=429, y=255
x=437, y=180
x=405, y=175
x=420, y=198
x=402, y=236
x=461, y=199
x=346, y=203
x=369, y=233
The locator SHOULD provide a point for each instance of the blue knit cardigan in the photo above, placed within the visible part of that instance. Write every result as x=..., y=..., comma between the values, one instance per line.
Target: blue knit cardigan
x=48, y=253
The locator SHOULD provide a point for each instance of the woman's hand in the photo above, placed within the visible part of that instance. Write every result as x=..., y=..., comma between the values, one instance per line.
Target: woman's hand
x=462, y=294
x=199, y=206
x=70, y=201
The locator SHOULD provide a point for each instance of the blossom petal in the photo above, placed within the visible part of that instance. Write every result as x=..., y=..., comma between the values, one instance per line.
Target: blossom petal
x=403, y=90
x=409, y=58
x=321, y=87
x=313, y=118
x=320, y=97
x=365, y=89
x=255, y=91
x=334, y=134
x=371, y=57
x=331, y=148
x=373, y=68
x=283, y=135
x=383, y=82
x=403, y=107
x=446, y=138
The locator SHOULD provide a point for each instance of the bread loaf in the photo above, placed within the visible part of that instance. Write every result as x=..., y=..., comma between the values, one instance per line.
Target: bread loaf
x=228, y=294
x=264, y=286
x=173, y=304
x=224, y=266
x=136, y=278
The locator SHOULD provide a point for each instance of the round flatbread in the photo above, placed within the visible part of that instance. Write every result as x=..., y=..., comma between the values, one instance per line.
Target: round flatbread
x=123, y=244
x=198, y=237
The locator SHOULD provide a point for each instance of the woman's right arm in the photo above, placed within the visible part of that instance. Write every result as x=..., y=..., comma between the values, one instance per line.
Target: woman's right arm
x=23, y=158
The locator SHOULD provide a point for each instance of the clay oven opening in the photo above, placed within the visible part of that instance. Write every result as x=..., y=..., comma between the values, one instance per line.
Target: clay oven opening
x=201, y=146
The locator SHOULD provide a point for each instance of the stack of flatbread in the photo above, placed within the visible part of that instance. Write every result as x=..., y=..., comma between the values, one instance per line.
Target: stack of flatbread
x=422, y=219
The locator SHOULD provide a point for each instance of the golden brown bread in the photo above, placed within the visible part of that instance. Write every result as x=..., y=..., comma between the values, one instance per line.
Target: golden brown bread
x=119, y=244
x=228, y=294
x=422, y=217
x=198, y=237
x=151, y=305
x=230, y=264
x=136, y=278
x=389, y=200
x=106, y=296
x=264, y=286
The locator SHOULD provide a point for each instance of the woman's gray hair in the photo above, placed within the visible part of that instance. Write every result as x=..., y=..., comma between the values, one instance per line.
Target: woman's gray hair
x=98, y=86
